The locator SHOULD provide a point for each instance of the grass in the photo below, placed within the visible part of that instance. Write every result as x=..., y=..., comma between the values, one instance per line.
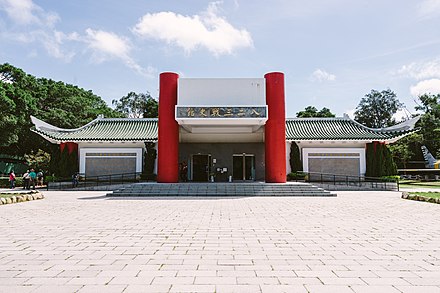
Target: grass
x=419, y=184
x=427, y=194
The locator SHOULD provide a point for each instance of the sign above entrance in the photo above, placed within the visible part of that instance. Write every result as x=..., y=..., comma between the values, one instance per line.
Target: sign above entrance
x=221, y=112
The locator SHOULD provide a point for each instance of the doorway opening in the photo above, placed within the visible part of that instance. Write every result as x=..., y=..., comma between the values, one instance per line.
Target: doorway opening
x=201, y=166
x=243, y=167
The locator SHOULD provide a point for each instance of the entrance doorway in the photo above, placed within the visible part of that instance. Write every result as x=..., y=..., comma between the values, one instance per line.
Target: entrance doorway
x=201, y=165
x=243, y=167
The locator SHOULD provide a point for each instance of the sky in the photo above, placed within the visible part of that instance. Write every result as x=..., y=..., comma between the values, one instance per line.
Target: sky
x=332, y=52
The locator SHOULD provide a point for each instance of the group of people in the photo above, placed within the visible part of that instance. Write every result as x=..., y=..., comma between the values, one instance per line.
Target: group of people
x=30, y=178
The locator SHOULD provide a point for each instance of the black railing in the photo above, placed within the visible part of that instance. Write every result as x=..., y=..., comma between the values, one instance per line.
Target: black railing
x=360, y=182
x=85, y=182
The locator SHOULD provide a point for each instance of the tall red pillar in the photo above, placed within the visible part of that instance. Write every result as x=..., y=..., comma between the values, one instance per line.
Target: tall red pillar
x=275, y=129
x=168, y=138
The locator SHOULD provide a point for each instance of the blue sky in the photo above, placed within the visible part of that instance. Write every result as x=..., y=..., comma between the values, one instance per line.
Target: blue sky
x=332, y=52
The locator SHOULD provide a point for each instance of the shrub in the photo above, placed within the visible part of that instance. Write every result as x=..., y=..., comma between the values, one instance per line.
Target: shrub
x=149, y=177
x=296, y=176
x=393, y=178
x=4, y=182
x=295, y=158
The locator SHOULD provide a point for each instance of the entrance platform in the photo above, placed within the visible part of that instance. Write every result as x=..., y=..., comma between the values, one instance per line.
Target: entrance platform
x=220, y=189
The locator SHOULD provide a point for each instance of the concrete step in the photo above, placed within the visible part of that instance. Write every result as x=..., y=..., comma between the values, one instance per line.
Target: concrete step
x=220, y=189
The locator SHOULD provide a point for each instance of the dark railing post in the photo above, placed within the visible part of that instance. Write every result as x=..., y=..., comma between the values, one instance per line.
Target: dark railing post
x=397, y=182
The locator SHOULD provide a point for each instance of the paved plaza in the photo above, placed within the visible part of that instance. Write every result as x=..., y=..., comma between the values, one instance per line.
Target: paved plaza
x=355, y=242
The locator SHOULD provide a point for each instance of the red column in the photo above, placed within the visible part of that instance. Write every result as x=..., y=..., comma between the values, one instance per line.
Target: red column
x=168, y=139
x=275, y=129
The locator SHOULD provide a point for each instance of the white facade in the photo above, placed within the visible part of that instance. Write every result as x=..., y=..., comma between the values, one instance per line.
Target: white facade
x=109, y=151
x=225, y=93
x=350, y=150
x=221, y=91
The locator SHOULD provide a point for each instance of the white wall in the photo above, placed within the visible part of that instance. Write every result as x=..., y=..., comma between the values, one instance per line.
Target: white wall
x=221, y=91
x=288, y=147
x=84, y=150
x=359, y=151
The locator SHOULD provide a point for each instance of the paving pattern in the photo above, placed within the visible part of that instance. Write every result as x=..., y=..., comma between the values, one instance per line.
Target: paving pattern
x=355, y=242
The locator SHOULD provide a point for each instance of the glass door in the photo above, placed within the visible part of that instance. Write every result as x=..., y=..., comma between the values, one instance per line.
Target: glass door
x=243, y=167
x=200, y=167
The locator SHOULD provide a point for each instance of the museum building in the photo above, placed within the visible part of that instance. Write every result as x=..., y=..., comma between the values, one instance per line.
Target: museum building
x=222, y=129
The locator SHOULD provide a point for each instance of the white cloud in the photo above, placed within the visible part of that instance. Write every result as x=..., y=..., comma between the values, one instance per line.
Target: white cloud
x=429, y=8
x=107, y=45
x=322, y=75
x=421, y=70
x=430, y=86
x=34, y=24
x=20, y=11
x=25, y=12
x=208, y=30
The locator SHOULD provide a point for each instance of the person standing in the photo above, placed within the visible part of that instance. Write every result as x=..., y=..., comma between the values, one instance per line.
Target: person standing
x=26, y=180
x=33, y=176
x=12, y=179
x=40, y=178
x=75, y=180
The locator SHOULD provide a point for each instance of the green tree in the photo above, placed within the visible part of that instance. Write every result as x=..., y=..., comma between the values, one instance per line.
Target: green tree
x=376, y=109
x=311, y=111
x=39, y=160
x=295, y=158
x=407, y=149
x=58, y=103
x=379, y=161
x=135, y=105
x=430, y=122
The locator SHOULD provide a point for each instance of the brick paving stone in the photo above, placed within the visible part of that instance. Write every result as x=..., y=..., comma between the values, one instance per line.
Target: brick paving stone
x=16, y=288
x=131, y=280
x=173, y=280
x=419, y=289
x=193, y=288
x=374, y=289
x=362, y=241
x=101, y=288
x=283, y=289
x=147, y=288
x=237, y=289
x=328, y=289
x=299, y=281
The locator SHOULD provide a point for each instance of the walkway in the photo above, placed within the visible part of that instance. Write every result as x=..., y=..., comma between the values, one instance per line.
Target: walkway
x=355, y=242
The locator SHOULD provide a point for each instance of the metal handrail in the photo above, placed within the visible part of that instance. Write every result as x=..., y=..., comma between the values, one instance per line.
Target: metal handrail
x=92, y=181
x=350, y=180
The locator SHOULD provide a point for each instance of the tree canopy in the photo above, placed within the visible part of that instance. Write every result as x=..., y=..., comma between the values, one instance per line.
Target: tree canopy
x=408, y=148
x=135, y=105
x=311, y=111
x=58, y=103
x=376, y=109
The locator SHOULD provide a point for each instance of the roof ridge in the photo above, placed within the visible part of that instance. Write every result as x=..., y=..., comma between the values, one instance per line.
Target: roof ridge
x=318, y=118
x=128, y=119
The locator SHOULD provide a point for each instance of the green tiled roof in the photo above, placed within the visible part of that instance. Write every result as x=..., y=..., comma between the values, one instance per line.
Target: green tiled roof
x=339, y=129
x=297, y=129
x=108, y=129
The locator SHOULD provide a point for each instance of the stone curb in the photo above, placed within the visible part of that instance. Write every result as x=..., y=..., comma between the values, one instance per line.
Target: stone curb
x=33, y=195
x=407, y=195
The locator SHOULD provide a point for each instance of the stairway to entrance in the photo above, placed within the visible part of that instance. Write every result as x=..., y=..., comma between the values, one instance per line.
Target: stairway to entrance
x=220, y=189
